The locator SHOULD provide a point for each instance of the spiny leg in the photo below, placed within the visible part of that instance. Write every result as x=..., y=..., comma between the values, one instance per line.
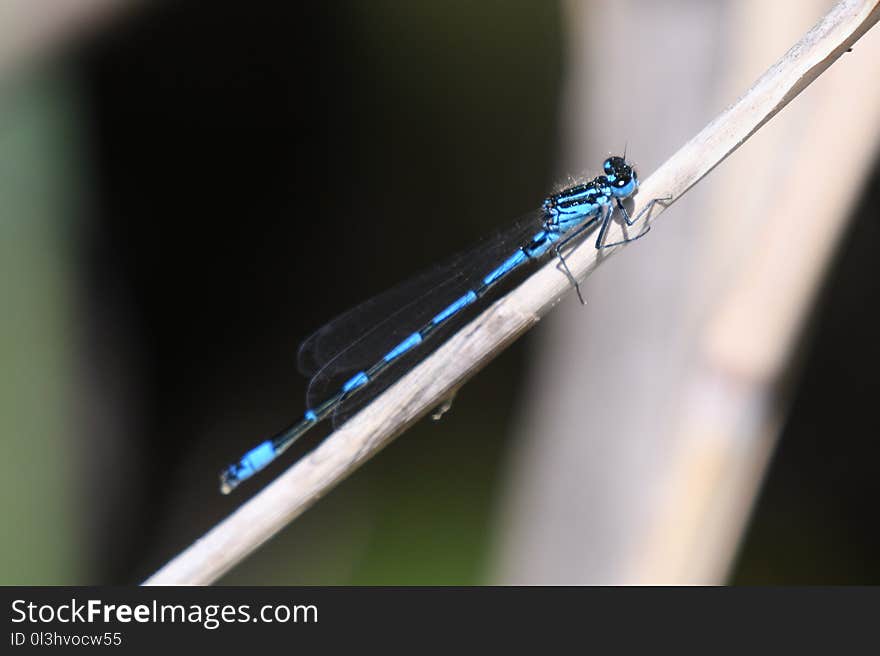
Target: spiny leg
x=643, y=211
x=630, y=221
x=571, y=278
x=603, y=230
x=558, y=250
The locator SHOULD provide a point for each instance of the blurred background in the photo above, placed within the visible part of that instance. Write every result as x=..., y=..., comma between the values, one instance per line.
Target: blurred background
x=188, y=190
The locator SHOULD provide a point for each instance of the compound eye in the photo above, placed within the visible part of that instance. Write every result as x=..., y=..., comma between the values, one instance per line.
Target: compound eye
x=615, y=163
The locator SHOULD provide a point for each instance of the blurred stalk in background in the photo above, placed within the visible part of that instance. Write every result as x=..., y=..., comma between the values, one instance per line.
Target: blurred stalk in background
x=43, y=189
x=641, y=464
x=40, y=196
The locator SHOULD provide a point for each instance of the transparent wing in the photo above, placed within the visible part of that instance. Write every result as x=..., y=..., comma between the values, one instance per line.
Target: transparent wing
x=360, y=337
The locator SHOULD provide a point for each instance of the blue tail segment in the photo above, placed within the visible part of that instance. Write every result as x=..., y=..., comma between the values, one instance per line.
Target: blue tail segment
x=358, y=380
x=565, y=215
x=406, y=345
x=250, y=463
x=455, y=307
x=506, y=267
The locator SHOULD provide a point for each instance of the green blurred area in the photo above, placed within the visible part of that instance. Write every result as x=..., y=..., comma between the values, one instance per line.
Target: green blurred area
x=40, y=182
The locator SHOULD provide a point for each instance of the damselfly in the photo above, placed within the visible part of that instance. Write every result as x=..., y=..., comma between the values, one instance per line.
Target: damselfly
x=357, y=355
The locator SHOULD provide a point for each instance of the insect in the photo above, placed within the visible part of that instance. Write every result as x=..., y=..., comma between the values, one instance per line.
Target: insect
x=354, y=353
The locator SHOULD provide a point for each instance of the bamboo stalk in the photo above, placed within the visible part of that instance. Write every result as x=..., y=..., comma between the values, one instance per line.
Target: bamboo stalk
x=733, y=396
x=460, y=357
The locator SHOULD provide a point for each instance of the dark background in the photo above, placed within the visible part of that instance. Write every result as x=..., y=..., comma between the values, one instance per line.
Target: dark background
x=258, y=169
x=248, y=191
